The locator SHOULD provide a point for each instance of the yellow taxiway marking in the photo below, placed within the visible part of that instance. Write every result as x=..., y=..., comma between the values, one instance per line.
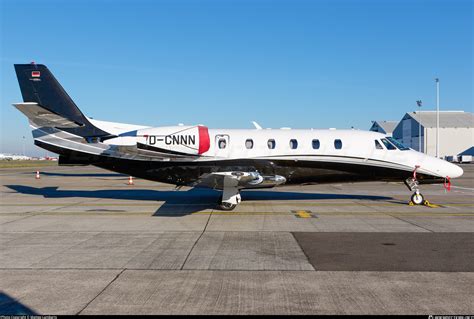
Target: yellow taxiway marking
x=302, y=213
x=158, y=202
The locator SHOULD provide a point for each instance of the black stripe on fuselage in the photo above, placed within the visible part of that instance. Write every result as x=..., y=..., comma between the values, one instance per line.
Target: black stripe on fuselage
x=296, y=172
x=338, y=156
x=162, y=150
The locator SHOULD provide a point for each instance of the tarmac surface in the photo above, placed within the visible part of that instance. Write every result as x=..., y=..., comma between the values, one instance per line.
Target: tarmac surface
x=81, y=241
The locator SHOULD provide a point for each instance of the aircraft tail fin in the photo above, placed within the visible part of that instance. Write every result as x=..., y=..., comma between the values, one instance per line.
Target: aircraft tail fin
x=38, y=85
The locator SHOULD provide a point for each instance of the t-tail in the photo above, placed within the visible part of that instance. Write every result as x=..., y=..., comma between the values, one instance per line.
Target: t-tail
x=47, y=104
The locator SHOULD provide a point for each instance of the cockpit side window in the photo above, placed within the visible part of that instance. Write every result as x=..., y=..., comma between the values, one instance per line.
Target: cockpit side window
x=388, y=145
x=222, y=143
x=399, y=145
x=378, y=145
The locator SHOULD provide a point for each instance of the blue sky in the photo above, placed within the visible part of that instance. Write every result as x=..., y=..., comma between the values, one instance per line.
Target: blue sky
x=224, y=63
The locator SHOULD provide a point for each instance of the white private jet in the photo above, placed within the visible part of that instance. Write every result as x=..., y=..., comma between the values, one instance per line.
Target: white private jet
x=224, y=159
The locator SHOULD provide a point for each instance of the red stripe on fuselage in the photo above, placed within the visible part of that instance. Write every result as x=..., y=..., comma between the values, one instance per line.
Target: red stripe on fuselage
x=204, y=141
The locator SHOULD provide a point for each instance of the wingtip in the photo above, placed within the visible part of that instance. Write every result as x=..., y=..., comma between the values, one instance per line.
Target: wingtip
x=257, y=126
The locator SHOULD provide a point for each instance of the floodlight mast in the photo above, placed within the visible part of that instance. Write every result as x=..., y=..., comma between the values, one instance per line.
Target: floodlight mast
x=437, y=117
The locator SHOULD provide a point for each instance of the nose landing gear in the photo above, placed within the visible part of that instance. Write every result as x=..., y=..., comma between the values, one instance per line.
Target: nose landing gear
x=412, y=183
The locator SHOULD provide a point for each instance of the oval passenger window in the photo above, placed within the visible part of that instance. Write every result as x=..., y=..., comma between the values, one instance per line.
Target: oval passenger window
x=249, y=143
x=293, y=144
x=271, y=144
x=316, y=144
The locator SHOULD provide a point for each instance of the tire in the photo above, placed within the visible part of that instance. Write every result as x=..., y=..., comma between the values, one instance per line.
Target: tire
x=417, y=199
x=227, y=206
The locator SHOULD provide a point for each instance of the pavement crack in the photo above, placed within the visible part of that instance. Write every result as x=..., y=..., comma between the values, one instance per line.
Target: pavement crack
x=195, y=243
x=29, y=214
x=411, y=223
x=100, y=292
x=67, y=248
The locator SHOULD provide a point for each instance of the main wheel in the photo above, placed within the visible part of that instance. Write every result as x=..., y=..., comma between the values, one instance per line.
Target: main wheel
x=227, y=206
x=417, y=198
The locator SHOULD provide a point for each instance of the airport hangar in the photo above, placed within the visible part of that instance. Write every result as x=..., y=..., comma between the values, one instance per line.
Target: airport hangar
x=384, y=127
x=456, y=131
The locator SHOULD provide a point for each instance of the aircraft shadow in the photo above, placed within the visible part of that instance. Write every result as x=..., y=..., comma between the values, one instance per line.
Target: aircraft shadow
x=80, y=174
x=180, y=203
x=11, y=306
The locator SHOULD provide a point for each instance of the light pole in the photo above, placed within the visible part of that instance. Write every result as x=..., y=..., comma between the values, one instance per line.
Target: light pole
x=23, y=145
x=437, y=117
x=419, y=102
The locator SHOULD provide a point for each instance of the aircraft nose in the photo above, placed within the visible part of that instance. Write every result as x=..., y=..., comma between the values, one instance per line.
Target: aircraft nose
x=442, y=168
x=454, y=171
x=450, y=170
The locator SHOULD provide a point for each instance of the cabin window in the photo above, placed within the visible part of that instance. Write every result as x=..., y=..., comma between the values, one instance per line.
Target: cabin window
x=378, y=145
x=388, y=145
x=249, y=143
x=293, y=144
x=337, y=144
x=222, y=143
x=316, y=144
x=271, y=144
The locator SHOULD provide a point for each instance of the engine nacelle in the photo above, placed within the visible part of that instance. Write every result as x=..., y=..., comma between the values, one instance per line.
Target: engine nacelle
x=172, y=140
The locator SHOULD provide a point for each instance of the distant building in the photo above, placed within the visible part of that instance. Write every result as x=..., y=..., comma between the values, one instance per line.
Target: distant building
x=14, y=157
x=469, y=151
x=384, y=127
x=456, y=131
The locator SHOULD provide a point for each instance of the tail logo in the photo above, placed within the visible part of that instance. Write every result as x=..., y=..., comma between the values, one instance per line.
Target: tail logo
x=35, y=76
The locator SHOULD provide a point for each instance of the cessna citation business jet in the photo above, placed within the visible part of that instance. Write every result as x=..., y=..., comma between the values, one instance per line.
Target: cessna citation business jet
x=224, y=159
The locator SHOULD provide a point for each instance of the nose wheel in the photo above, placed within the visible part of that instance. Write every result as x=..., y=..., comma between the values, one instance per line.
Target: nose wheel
x=417, y=198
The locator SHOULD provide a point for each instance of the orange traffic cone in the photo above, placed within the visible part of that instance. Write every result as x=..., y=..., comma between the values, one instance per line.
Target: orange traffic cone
x=130, y=180
x=37, y=175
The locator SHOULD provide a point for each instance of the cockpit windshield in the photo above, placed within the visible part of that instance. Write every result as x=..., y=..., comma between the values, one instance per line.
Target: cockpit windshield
x=399, y=145
x=388, y=145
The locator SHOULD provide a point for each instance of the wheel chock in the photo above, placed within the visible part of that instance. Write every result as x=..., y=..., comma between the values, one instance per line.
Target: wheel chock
x=428, y=204
x=425, y=203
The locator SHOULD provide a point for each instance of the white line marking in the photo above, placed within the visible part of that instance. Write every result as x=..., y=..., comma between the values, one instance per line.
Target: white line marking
x=467, y=188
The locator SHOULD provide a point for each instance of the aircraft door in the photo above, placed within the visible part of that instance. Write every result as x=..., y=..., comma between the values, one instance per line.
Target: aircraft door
x=222, y=145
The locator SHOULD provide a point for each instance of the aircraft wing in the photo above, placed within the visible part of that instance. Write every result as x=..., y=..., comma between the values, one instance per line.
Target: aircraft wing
x=238, y=179
x=43, y=117
x=217, y=180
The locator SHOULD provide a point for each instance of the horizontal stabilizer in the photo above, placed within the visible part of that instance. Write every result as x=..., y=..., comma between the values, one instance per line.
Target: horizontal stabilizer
x=43, y=117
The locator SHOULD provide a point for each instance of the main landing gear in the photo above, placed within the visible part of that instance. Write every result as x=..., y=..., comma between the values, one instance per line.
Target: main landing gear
x=230, y=195
x=412, y=183
x=229, y=199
